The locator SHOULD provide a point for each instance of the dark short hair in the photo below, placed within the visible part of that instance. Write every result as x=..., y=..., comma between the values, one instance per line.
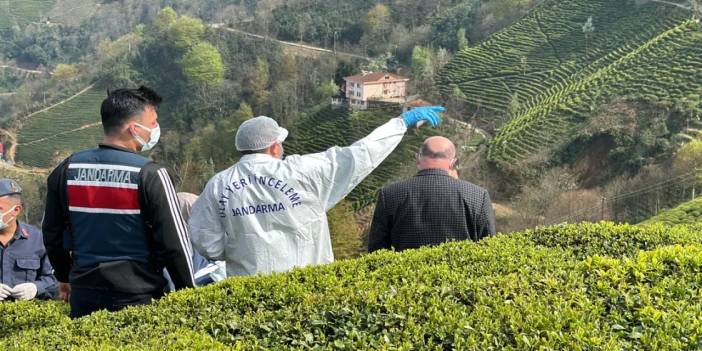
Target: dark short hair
x=122, y=104
x=425, y=151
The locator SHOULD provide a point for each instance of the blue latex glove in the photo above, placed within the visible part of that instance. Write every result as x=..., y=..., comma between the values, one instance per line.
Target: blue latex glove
x=427, y=113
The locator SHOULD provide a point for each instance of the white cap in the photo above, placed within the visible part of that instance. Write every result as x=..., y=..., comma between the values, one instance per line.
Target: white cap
x=259, y=133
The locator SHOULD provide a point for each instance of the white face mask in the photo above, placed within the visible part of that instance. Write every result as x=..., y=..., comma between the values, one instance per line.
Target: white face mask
x=153, y=139
x=4, y=225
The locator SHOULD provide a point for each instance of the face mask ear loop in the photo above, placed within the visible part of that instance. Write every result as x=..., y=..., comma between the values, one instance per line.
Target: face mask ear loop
x=4, y=225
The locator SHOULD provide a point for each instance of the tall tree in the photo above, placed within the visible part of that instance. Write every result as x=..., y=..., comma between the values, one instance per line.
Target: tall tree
x=422, y=67
x=377, y=20
x=115, y=60
x=288, y=66
x=461, y=39
x=257, y=85
x=203, y=66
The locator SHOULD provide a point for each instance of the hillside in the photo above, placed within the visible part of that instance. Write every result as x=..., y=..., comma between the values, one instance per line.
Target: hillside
x=21, y=12
x=575, y=287
x=74, y=125
x=60, y=130
x=687, y=213
x=558, y=75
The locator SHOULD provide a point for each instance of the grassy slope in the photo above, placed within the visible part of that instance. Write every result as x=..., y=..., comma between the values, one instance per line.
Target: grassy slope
x=21, y=12
x=57, y=130
x=576, y=287
x=687, y=213
x=648, y=52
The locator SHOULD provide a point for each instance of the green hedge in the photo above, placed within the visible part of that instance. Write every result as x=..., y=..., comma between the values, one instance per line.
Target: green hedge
x=687, y=213
x=574, y=287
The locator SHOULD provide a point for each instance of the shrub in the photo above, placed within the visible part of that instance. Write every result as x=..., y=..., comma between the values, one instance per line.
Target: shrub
x=686, y=214
x=564, y=287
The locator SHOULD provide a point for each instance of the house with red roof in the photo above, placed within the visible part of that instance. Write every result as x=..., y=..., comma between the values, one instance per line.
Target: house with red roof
x=379, y=86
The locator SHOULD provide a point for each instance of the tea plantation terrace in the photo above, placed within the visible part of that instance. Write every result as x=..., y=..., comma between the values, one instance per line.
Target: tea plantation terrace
x=569, y=287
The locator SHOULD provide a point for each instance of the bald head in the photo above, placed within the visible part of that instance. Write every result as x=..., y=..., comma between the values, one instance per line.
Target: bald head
x=436, y=153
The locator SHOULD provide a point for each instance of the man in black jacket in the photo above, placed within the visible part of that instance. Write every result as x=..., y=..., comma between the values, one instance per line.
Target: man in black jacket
x=112, y=220
x=431, y=207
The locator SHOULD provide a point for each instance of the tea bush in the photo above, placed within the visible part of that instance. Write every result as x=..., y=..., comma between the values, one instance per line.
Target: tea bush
x=687, y=213
x=574, y=287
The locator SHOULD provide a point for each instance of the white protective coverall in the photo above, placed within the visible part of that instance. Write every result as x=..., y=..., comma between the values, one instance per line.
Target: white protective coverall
x=266, y=215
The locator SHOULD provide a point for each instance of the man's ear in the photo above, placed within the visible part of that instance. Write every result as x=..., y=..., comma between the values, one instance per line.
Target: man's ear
x=276, y=149
x=454, y=163
x=18, y=209
x=131, y=128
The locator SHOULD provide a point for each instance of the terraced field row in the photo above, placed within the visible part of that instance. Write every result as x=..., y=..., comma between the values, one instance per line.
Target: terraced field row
x=540, y=54
x=559, y=75
x=44, y=154
x=21, y=12
x=337, y=126
x=667, y=68
x=62, y=129
x=79, y=111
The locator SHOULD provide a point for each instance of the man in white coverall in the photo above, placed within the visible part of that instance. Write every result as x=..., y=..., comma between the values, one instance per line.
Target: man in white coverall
x=268, y=214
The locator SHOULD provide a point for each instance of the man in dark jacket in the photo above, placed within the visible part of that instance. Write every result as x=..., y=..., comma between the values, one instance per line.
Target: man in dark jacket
x=25, y=271
x=432, y=207
x=112, y=222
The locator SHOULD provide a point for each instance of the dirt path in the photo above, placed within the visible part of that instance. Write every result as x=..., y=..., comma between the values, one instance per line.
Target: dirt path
x=62, y=133
x=24, y=170
x=58, y=103
x=297, y=45
x=673, y=4
x=28, y=71
x=470, y=126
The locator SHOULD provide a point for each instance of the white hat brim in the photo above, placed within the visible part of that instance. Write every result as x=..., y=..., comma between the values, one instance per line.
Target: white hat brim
x=282, y=134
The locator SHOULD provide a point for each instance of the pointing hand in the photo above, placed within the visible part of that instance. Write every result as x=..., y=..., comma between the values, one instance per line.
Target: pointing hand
x=428, y=114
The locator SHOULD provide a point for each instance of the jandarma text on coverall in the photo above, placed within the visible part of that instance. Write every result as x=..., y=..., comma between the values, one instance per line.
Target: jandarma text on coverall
x=269, y=182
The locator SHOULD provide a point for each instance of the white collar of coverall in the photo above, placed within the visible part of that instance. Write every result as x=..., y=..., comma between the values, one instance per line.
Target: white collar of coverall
x=257, y=157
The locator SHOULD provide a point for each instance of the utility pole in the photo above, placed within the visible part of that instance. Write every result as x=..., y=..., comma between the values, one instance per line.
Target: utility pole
x=588, y=29
x=336, y=33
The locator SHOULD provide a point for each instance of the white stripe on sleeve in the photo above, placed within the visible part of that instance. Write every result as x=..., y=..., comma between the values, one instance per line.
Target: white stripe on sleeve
x=177, y=218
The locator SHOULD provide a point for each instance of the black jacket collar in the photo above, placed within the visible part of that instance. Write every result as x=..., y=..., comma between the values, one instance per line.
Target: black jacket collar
x=115, y=147
x=432, y=171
